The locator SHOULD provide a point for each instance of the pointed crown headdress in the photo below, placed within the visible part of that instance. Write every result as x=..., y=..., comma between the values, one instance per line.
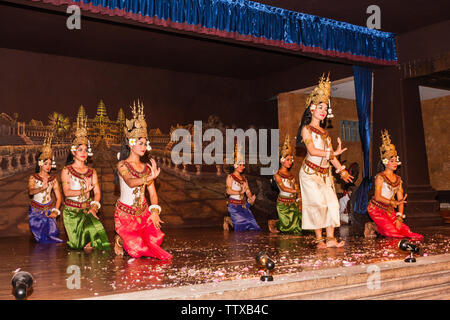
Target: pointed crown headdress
x=321, y=93
x=81, y=132
x=387, y=149
x=46, y=150
x=137, y=127
x=286, y=148
x=239, y=155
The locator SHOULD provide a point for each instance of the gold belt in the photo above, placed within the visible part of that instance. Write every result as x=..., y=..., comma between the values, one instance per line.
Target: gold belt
x=234, y=201
x=317, y=168
x=130, y=210
x=286, y=200
x=42, y=207
x=76, y=204
x=380, y=205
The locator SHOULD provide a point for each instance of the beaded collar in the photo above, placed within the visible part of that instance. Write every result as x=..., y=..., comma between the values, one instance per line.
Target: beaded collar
x=317, y=131
x=134, y=172
x=241, y=181
x=38, y=177
x=75, y=173
x=290, y=177
x=394, y=184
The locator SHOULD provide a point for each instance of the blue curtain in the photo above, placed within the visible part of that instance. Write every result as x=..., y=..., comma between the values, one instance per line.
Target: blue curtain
x=363, y=92
x=293, y=30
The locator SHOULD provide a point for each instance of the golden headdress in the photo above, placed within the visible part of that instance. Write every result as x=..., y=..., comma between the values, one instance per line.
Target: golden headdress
x=81, y=135
x=137, y=127
x=46, y=150
x=239, y=157
x=286, y=148
x=387, y=149
x=81, y=132
x=321, y=93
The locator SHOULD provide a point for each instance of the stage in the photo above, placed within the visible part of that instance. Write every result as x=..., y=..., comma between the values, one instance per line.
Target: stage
x=209, y=263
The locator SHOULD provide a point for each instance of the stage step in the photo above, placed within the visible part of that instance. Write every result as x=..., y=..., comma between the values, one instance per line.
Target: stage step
x=436, y=292
x=428, y=278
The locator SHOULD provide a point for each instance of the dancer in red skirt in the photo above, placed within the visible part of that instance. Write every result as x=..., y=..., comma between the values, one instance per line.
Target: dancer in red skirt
x=138, y=226
x=388, y=186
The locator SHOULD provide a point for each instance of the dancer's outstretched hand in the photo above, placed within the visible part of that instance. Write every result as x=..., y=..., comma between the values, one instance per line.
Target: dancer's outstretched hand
x=339, y=149
x=154, y=170
x=349, y=178
x=89, y=185
x=252, y=199
x=92, y=211
x=401, y=201
x=154, y=217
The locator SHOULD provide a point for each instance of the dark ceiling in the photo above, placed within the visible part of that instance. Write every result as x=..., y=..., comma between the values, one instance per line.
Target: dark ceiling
x=39, y=27
x=397, y=16
x=41, y=30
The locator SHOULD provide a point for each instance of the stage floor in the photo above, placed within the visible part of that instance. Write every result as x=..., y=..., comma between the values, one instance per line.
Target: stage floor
x=200, y=255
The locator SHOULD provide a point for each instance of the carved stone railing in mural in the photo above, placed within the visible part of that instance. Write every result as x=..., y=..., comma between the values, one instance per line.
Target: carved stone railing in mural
x=16, y=159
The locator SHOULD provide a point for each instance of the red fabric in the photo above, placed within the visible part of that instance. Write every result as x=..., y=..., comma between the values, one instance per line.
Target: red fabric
x=385, y=221
x=140, y=238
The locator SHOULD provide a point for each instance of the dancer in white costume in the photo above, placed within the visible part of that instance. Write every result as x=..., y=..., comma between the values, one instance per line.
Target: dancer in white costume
x=320, y=206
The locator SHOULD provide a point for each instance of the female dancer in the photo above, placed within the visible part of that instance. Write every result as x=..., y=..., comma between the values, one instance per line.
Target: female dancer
x=43, y=212
x=137, y=225
x=388, y=185
x=83, y=227
x=320, y=206
x=288, y=202
x=236, y=188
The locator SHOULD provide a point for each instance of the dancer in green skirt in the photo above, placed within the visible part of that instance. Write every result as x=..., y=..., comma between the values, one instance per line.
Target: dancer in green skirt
x=83, y=227
x=289, y=201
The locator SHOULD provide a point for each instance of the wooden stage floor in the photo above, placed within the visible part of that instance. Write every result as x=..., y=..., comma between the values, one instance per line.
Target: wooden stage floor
x=200, y=256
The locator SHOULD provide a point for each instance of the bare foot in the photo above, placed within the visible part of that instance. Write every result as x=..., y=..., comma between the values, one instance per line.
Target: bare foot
x=227, y=222
x=118, y=248
x=321, y=245
x=272, y=224
x=88, y=248
x=332, y=243
x=369, y=230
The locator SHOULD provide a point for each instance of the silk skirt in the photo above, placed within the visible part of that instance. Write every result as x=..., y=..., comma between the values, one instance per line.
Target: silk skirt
x=320, y=206
x=290, y=218
x=385, y=221
x=44, y=228
x=140, y=238
x=83, y=228
x=242, y=217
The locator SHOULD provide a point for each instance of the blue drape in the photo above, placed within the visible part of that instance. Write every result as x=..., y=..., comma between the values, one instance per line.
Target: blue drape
x=293, y=30
x=363, y=92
